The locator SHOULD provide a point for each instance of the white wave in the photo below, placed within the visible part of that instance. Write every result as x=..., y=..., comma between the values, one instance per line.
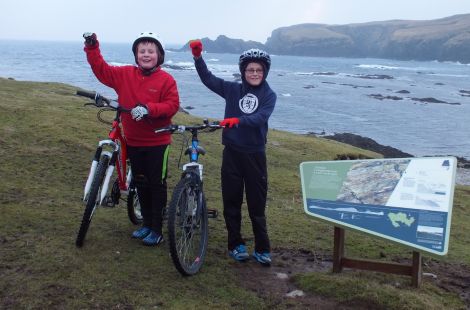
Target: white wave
x=343, y=75
x=181, y=63
x=404, y=78
x=286, y=95
x=382, y=67
x=119, y=64
x=343, y=115
x=213, y=60
x=450, y=75
x=228, y=68
x=320, y=73
x=304, y=73
x=458, y=63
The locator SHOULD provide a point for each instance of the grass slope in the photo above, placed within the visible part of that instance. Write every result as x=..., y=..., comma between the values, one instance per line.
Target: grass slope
x=47, y=140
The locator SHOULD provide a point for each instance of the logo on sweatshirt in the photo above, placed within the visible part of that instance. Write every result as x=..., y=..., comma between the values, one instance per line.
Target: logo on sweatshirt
x=248, y=104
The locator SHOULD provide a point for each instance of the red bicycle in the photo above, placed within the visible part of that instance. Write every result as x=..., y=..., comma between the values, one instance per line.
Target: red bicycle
x=110, y=155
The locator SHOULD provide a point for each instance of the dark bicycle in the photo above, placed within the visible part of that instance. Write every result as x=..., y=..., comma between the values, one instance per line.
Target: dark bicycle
x=187, y=211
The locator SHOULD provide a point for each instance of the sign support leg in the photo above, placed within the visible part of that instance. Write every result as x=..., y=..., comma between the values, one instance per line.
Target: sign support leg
x=416, y=269
x=338, y=249
x=340, y=261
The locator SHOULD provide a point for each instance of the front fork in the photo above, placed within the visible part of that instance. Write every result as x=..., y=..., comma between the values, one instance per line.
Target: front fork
x=195, y=171
x=109, y=171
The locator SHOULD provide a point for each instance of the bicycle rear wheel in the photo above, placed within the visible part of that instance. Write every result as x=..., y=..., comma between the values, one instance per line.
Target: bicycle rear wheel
x=133, y=207
x=92, y=200
x=187, y=226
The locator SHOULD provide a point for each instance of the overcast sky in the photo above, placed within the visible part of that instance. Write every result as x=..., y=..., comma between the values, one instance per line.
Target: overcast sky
x=177, y=21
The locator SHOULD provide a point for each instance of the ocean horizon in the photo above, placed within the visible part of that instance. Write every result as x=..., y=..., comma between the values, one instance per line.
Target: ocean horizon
x=419, y=107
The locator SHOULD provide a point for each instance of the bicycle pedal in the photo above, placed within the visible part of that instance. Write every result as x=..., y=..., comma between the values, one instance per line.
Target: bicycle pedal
x=108, y=202
x=212, y=213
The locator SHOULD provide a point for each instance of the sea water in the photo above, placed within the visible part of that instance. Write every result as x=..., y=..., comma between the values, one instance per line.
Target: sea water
x=422, y=108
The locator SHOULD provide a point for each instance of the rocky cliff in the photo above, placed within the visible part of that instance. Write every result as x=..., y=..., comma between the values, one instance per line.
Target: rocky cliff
x=225, y=44
x=445, y=39
x=442, y=39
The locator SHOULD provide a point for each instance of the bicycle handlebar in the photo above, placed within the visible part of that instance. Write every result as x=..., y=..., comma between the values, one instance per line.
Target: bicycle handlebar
x=88, y=94
x=181, y=128
x=101, y=101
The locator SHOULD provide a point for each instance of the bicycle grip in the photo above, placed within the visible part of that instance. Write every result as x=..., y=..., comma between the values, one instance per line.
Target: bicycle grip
x=88, y=94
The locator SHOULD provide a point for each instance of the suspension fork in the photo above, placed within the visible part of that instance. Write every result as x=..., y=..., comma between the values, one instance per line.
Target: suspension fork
x=91, y=174
x=109, y=171
x=193, y=172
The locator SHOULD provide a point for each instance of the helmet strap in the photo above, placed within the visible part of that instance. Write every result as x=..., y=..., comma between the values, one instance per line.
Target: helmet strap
x=147, y=72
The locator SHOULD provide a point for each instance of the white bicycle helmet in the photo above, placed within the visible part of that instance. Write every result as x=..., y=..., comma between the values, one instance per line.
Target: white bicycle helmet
x=151, y=37
x=255, y=55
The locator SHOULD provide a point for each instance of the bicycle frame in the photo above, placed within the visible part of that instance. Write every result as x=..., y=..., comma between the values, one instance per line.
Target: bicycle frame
x=193, y=152
x=110, y=154
x=117, y=159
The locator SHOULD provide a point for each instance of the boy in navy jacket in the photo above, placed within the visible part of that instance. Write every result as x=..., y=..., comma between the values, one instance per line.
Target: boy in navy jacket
x=248, y=106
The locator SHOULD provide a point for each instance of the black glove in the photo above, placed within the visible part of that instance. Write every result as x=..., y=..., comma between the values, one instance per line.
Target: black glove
x=90, y=39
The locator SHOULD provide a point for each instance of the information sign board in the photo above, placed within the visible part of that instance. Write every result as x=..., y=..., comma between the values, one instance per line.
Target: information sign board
x=406, y=200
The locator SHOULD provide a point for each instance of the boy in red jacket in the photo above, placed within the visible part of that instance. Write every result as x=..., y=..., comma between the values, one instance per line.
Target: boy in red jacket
x=152, y=96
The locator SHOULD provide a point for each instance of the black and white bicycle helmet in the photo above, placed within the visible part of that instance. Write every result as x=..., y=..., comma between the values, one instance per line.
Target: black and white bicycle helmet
x=254, y=55
x=152, y=37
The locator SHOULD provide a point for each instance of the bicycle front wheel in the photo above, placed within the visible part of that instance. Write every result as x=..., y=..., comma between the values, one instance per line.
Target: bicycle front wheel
x=92, y=200
x=187, y=226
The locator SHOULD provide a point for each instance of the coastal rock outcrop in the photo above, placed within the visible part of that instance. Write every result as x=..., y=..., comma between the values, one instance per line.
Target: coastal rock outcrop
x=444, y=39
x=224, y=44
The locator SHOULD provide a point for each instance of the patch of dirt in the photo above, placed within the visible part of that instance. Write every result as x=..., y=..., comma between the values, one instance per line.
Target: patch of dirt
x=274, y=284
x=453, y=278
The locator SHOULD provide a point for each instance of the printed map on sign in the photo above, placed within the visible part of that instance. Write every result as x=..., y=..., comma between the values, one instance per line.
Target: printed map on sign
x=405, y=200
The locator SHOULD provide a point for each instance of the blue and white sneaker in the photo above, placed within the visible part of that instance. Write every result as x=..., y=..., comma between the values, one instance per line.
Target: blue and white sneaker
x=239, y=253
x=153, y=239
x=263, y=258
x=141, y=233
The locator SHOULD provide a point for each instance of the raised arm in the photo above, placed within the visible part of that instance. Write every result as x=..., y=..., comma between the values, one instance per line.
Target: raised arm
x=100, y=68
x=208, y=79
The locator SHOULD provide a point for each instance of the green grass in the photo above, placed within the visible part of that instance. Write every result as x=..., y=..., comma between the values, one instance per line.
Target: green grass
x=376, y=291
x=47, y=140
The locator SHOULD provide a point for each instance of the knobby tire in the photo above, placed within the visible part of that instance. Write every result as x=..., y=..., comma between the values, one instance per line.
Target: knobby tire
x=91, y=203
x=188, y=234
x=133, y=207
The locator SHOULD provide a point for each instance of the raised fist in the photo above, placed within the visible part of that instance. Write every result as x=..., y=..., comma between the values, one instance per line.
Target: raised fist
x=90, y=39
x=196, y=47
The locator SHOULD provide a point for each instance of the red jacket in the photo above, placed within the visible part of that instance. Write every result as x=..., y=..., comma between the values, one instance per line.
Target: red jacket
x=157, y=91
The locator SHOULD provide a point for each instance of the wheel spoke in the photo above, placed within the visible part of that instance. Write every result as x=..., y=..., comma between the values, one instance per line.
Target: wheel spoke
x=187, y=227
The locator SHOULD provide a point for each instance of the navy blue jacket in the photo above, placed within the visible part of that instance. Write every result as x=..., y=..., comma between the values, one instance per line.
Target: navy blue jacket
x=252, y=105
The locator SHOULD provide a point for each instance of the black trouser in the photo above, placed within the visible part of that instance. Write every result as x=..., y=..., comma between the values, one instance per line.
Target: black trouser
x=149, y=171
x=245, y=171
